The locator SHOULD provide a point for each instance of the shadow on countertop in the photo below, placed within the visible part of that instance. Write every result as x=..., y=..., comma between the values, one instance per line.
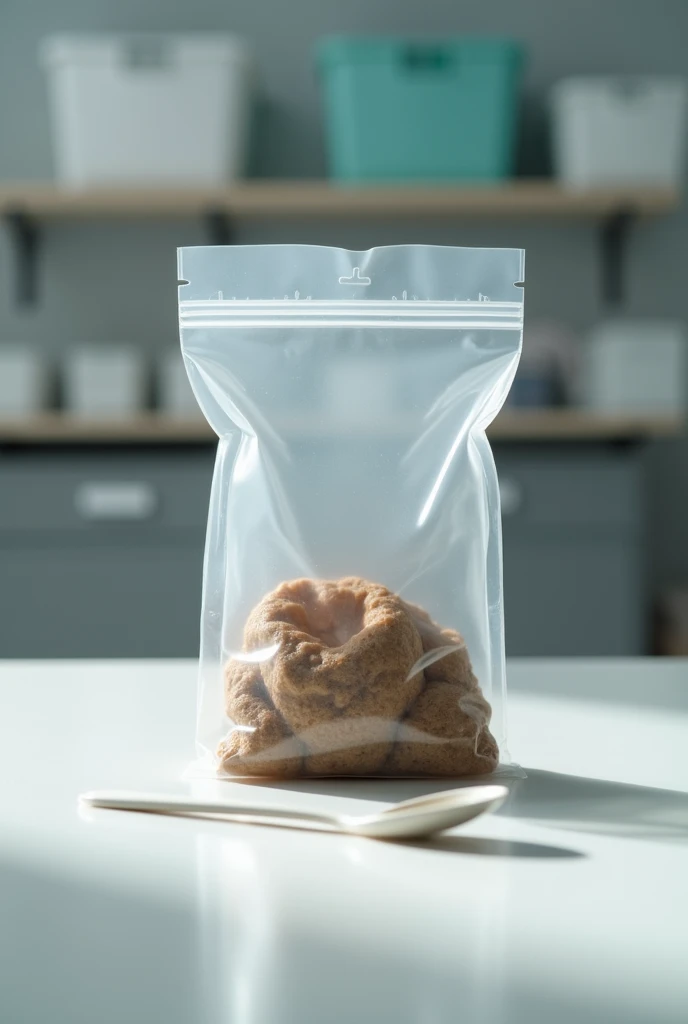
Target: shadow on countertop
x=600, y=806
x=563, y=801
x=482, y=846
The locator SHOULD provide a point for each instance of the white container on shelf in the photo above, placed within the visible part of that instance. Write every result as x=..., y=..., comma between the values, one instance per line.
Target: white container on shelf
x=614, y=131
x=23, y=381
x=104, y=381
x=635, y=366
x=137, y=109
x=174, y=392
x=361, y=391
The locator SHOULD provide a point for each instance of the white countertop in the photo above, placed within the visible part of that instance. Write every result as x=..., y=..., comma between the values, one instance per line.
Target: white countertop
x=569, y=905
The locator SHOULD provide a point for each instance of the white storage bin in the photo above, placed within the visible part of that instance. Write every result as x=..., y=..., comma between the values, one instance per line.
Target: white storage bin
x=635, y=366
x=167, y=109
x=23, y=381
x=360, y=391
x=609, y=131
x=175, y=395
x=104, y=381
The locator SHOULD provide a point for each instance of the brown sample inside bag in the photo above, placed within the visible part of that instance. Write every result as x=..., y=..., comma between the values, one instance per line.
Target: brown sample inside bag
x=355, y=681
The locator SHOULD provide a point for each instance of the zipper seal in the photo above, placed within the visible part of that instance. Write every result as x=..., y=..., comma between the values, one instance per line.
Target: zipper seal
x=314, y=313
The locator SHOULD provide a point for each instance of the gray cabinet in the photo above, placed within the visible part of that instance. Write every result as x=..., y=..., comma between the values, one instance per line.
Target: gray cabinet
x=572, y=531
x=101, y=552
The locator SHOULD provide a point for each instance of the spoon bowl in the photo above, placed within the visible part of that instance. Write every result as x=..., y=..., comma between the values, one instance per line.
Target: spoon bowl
x=426, y=815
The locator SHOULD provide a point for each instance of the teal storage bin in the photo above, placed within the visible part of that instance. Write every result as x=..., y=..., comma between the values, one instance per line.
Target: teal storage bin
x=400, y=109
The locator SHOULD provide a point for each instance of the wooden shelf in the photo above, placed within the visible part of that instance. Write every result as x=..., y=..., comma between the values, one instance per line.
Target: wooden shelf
x=24, y=207
x=543, y=425
x=266, y=198
x=60, y=428
x=581, y=425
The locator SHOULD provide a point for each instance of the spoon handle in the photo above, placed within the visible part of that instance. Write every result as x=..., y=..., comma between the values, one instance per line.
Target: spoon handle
x=158, y=803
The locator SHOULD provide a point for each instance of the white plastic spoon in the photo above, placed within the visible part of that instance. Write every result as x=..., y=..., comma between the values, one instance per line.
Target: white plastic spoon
x=411, y=819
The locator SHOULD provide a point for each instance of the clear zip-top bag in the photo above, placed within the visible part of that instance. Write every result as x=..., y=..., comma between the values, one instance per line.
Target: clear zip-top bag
x=352, y=619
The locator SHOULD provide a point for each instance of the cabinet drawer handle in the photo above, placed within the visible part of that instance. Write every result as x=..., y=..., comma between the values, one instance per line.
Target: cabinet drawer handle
x=510, y=495
x=121, y=500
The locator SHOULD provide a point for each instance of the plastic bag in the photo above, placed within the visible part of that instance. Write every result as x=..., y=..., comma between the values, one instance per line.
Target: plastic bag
x=352, y=618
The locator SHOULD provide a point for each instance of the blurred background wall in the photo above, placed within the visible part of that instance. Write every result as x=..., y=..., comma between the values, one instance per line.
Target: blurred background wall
x=114, y=282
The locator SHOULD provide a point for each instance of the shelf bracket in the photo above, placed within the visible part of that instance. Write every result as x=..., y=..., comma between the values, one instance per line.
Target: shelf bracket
x=25, y=239
x=219, y=227
x=613, y=244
